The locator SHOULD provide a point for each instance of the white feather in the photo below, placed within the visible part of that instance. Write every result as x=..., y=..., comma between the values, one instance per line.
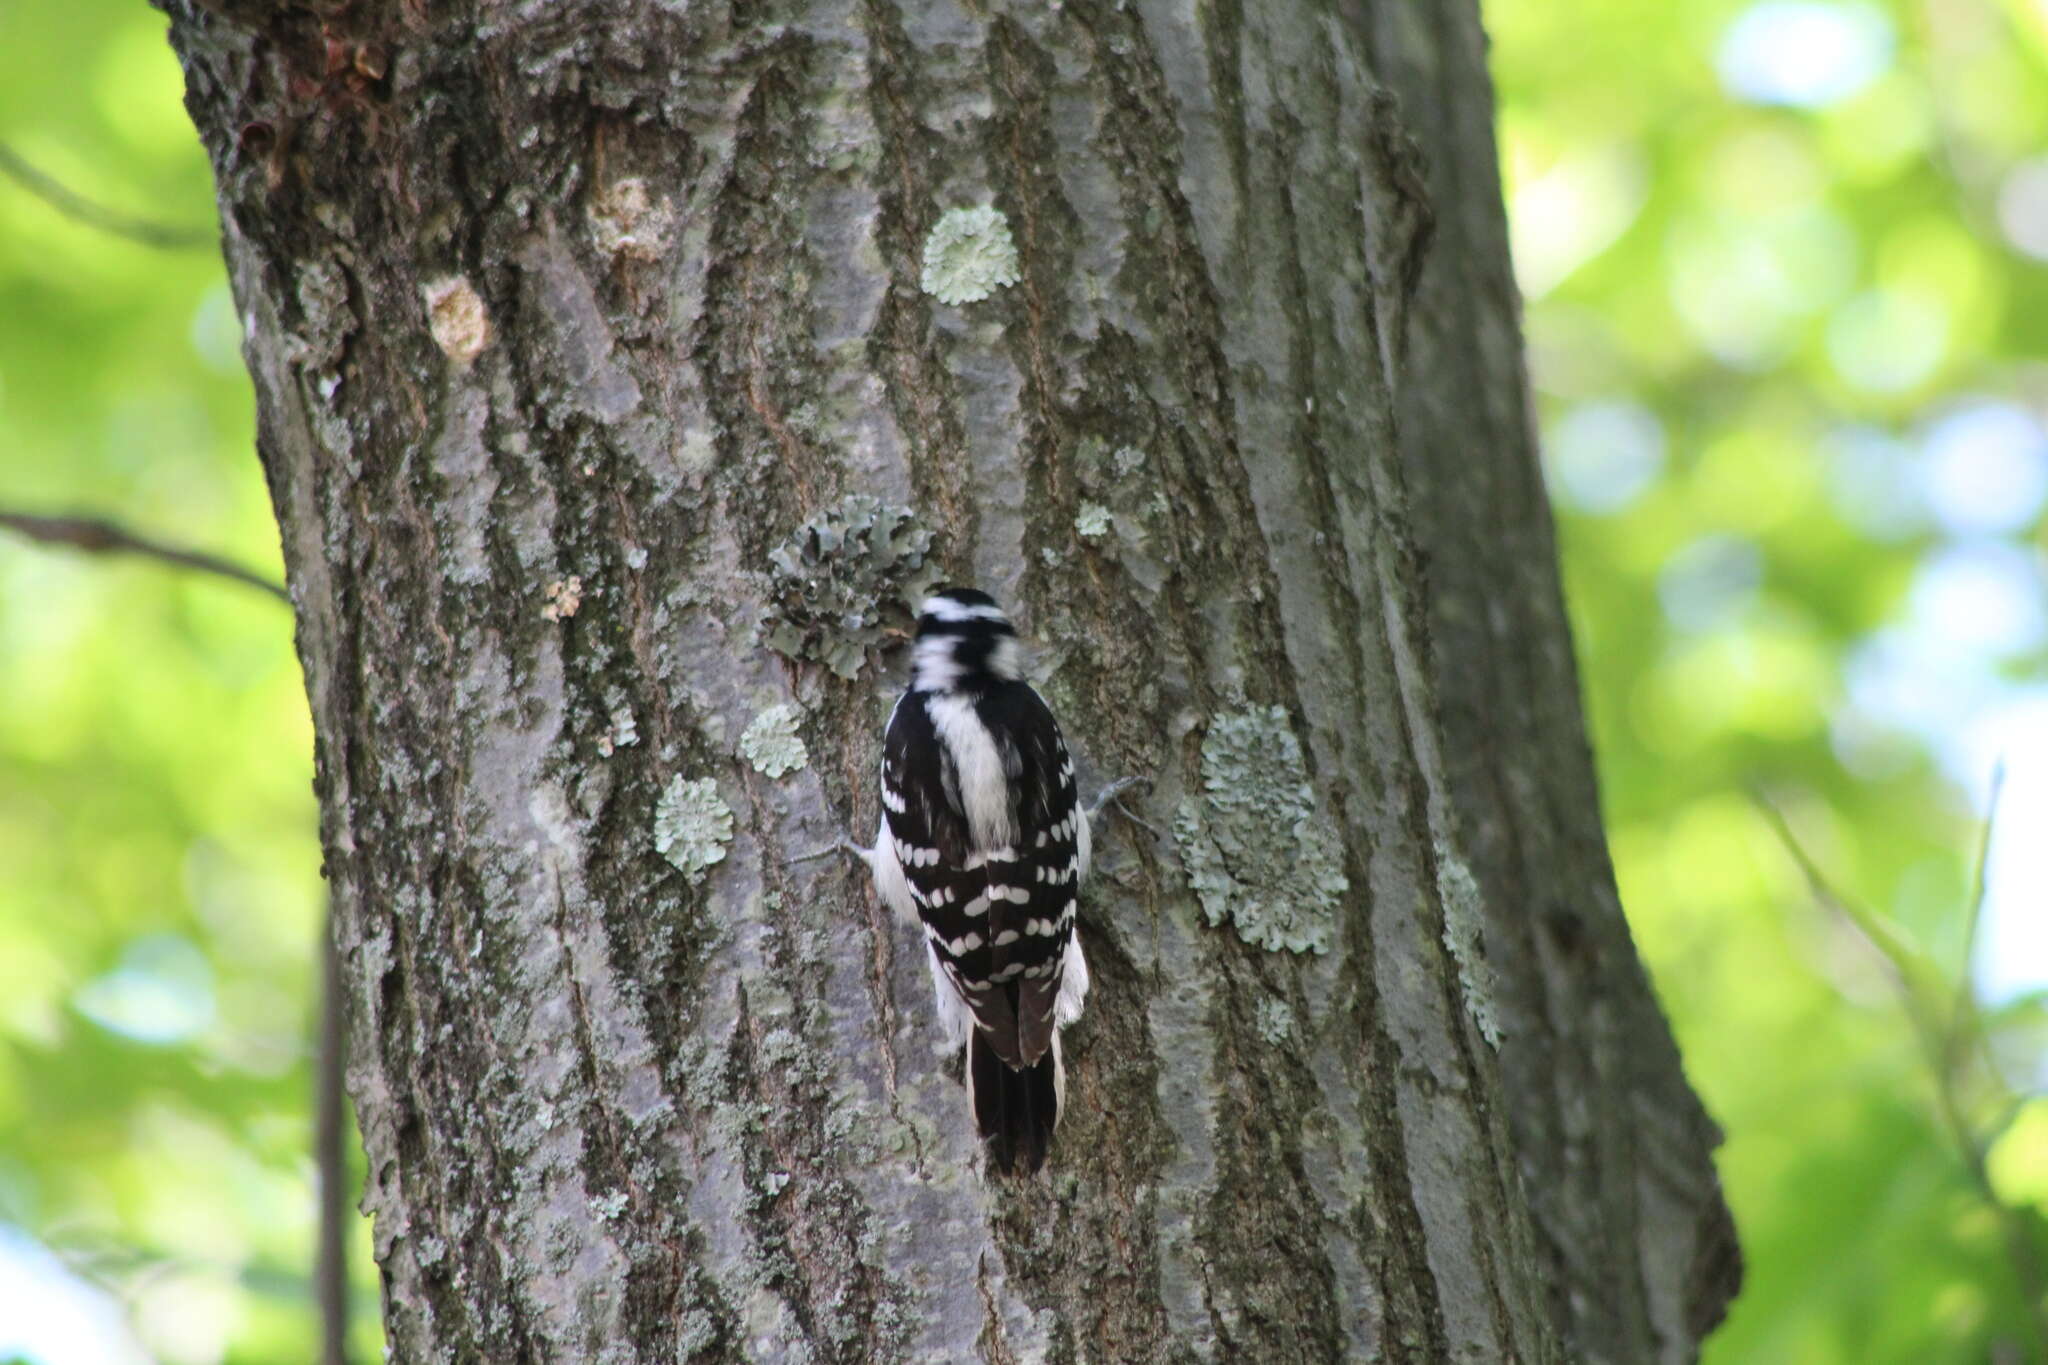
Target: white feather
x=932, y=665
x=955, y=1019
x=949, y=609
x=889, y=881
x=1073, y=986
x=1006, y=660
x=984, y=787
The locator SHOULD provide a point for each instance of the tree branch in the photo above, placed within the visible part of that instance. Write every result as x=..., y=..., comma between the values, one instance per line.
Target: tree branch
x=79, y=209
x=104, y=537
x=330, y=1132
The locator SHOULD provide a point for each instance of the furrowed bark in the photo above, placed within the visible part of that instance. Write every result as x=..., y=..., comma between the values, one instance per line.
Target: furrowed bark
x=1615, y=1148
x=566, y=320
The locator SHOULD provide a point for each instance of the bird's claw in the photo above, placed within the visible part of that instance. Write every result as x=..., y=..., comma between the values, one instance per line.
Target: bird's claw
x=843, y=845
x=1110, y=796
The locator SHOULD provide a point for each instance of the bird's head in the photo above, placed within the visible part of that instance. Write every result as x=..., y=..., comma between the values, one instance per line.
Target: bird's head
x=964, y=642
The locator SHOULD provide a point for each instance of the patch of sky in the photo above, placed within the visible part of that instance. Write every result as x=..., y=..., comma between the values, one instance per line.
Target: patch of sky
x=1982, y=599
x=2012, y=939
x=2023, y=207
x=161, y=992
x=1898, y=680
x=1803, y=53
x=53, y=1316
x=1873, y=483
x=1973, y=606
x=217, y=332
x=1603, y=454
x=1709, y=581
x=1984, y=468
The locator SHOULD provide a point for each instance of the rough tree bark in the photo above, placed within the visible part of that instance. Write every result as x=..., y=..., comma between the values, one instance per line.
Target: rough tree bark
x=580, y=329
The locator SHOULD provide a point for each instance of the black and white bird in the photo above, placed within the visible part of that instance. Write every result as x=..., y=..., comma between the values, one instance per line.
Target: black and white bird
x=983, y=840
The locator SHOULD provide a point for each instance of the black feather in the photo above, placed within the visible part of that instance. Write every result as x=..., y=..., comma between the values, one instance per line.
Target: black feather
x=1014, y=1110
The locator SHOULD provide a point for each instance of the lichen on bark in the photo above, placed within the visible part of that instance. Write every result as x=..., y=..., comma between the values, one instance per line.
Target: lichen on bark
x=839, y=578
x=692, y=825
x=968, y=255
x=771, y=742
x=1258, y=853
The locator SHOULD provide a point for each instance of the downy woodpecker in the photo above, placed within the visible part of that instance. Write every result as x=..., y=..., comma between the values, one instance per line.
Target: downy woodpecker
x=983, y=840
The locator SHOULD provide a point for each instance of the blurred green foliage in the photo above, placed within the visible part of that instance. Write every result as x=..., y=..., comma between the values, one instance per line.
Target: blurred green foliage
x=1785, y=333
x=1757, y=292
x=159, y=892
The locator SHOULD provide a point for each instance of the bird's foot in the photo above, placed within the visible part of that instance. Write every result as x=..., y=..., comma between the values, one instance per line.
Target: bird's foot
x=844, y=845
x=1111, y=796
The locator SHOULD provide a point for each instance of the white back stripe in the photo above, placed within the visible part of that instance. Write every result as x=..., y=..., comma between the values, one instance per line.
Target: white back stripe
x=984, y=790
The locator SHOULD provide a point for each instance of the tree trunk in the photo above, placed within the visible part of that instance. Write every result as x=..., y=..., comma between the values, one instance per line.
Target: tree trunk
x=621, y=365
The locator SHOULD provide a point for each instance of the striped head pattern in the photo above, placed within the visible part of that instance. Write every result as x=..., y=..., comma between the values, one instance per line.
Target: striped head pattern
x=964, y=643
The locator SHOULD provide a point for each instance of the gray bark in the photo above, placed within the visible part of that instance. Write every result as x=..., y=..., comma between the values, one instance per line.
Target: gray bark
x=565, y=320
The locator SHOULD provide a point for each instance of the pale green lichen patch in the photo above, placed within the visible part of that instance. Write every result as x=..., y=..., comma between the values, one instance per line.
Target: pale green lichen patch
x=624, y=730
x=697, y=452
x=1257, y=851
x=1128, y=460
x=1275, y=1021
x=1464, y=925
x=838, y=575
x=1093, y=521
x=772, y=744
x=692, y=825
x=968, y=255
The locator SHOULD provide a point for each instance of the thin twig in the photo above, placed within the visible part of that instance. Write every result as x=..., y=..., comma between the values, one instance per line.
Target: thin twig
x=79, y=209
x=104, y=537
x=1963, y=1013
x=1901, y=956
x=1939, y=1044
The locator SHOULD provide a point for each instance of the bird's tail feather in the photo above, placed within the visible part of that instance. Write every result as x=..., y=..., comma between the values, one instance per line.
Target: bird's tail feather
x=1015, y=1110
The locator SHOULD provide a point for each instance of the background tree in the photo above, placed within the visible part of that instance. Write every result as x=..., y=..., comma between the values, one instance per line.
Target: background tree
x=158, y=894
